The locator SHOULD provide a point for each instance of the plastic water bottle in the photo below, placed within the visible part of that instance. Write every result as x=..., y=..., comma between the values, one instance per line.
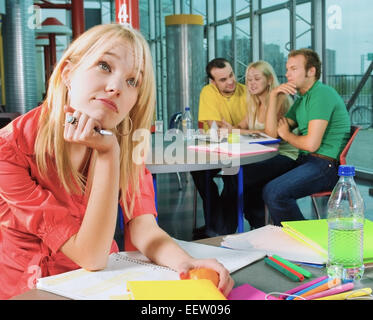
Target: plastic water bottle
x=345, y=228
x=187, y=124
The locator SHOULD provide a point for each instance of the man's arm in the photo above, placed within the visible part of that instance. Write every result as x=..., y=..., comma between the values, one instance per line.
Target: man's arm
x=311, y=141
x=273, y=113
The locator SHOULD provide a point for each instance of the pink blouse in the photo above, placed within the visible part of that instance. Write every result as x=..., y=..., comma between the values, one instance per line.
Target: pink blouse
x=37, y=216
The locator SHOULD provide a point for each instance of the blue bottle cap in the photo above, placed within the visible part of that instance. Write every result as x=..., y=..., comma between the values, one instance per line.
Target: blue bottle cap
x=348, y=171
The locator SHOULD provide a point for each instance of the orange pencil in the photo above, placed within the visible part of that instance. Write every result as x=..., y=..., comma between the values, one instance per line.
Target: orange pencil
x=330, y=284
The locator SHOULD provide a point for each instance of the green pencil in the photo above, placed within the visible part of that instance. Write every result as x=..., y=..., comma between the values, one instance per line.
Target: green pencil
x=306, y=273
x=287, y=273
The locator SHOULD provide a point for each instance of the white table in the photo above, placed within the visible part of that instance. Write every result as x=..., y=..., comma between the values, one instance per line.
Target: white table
x=173, y=155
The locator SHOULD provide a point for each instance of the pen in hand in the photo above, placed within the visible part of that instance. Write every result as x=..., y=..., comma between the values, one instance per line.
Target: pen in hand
x=103, y=132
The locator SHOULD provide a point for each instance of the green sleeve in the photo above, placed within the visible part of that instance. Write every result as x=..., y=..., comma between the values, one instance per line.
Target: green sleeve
x=321, y=105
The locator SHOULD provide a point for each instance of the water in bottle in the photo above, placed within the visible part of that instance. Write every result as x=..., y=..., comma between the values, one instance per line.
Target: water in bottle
x=187, y=124
x=345, y=228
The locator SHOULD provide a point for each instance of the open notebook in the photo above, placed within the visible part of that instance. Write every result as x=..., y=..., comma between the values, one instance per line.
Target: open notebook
x=234, y=149
x=111, y=283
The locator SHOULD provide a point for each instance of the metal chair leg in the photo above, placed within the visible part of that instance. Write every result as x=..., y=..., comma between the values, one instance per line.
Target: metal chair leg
x=315, y=207
x=267, y=217
x=179, y=181
x=194, y=208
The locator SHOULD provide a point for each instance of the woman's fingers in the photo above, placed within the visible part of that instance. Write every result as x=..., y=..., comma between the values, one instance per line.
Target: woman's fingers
x=81, y=129
x=226, y=282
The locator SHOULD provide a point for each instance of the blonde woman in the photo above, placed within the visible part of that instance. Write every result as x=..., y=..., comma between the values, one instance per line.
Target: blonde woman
x=65, y=164
x=260, y=80
x=263, y=114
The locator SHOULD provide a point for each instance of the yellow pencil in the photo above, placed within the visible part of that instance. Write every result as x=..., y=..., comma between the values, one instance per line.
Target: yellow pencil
x=348, y=294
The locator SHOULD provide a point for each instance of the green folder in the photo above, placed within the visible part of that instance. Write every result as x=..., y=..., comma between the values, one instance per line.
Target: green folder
x=314, y=233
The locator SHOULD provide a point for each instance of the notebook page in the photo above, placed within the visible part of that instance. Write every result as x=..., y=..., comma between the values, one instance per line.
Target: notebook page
x=231, y=259
x=106, y=284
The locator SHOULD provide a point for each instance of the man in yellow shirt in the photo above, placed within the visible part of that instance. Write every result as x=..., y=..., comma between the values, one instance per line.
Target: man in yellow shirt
x=222, y=100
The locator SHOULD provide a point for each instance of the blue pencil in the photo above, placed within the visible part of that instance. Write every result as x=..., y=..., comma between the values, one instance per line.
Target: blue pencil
x=307, y=289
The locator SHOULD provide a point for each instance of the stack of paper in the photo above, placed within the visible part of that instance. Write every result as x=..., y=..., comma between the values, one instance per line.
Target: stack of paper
x=314, y=233
x=273, y=240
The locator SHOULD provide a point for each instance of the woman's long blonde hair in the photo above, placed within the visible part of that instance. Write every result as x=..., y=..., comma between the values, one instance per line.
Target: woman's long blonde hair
x=253, y=101
x=50, y=147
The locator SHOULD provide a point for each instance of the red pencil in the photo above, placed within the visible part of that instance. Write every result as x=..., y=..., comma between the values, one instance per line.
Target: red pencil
x=300, y=276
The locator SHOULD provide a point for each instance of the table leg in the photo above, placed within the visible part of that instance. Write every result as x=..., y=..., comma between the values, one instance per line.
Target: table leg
x=240, y=214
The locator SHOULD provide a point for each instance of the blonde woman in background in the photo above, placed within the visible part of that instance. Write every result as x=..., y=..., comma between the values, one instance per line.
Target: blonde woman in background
x=62, y=173
x=262, y=113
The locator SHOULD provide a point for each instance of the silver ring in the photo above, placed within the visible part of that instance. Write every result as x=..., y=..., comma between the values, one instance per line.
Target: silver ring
x=71, y=119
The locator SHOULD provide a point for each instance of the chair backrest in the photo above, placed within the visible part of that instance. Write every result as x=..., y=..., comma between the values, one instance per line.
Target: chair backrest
x=175, y=120
x=343, y=155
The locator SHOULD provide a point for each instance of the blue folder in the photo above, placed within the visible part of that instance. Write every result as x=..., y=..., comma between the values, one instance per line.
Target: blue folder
x=267, y=141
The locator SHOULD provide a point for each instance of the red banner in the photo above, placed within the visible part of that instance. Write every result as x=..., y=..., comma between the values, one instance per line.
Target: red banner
x=127, y=12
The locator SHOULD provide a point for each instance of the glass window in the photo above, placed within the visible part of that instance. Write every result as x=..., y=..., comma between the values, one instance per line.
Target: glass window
x=144, y=18
x=270, y=3
x=223, y=9
x=303, y=26
x=185, y=7
x=167, y=9
x=276, y=37
x=106, y=14
x=242, y=6
x=243, y=48
x=224, y=42
x=349, y=52
x=199, y=7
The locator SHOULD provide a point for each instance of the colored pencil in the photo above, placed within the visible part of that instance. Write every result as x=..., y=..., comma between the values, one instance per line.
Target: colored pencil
x=276, y=266
x=300, y=276
x=330, y=284
x=342, y=288
x=298, y=293
x=349, y=294
x=303, y=286
x=305, y=272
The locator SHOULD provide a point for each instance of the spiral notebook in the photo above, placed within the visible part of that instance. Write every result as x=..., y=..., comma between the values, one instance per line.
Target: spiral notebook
x=107, y=284
x=111, y=283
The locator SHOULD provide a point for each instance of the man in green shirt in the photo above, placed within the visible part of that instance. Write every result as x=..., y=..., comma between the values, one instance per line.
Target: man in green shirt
x=324, y=129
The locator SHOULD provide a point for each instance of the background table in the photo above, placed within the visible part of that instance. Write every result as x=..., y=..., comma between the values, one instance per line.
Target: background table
x=193, y=160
